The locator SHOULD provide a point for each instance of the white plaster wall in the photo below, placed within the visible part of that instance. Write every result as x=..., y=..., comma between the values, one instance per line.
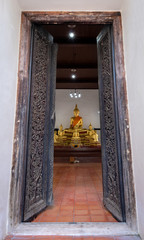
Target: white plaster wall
x=9, y=42
x=133, y=29
x=61, y=5
x=88, y=105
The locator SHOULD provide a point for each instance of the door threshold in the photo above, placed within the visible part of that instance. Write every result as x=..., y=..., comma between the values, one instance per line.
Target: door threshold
x=74, y=229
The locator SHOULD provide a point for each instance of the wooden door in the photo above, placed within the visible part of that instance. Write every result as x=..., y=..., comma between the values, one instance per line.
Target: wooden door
x=110, y=134
x=39, y=162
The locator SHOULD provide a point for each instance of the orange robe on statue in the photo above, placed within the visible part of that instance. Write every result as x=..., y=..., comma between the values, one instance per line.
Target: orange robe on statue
x=76, y=120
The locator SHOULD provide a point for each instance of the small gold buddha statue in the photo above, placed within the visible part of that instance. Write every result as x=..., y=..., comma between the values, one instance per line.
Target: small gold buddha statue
x=92, y=135
x=55, y=137
x=95, y=137
x=90, y=131
x=60, y=131
x=76, y=122
x=75, y=140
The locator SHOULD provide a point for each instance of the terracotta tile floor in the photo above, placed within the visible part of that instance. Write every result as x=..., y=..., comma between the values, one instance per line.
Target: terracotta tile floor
x=77, y=195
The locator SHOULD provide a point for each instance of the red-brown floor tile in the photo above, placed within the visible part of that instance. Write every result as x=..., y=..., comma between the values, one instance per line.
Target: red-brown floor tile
x=111, y=219
x=48, y=219
x=22, y=238
x=82, y=218
x=104, y=238
x=83, y=238
x=95, y=206
x=98, y=218
x=80, y=207
x=43, y=238
x=67, y=208
x=62, y=238
x=97, y=212
x=81, y=212
x=65, y=219
x=66, y=213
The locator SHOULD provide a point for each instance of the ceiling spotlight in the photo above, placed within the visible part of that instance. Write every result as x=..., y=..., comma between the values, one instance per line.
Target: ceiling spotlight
x=71, y=35
x=71, y=26
x=73, y=76
x=73, y=70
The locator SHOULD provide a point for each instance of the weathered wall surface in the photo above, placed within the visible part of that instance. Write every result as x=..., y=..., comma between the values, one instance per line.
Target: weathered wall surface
x=133, y=30
x=9, y=44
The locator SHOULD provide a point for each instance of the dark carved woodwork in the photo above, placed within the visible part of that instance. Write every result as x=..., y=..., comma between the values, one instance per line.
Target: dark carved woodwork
x=122, y=103
x=111, y=154
x=39, y=155
x=51, y=126
x=79, y=17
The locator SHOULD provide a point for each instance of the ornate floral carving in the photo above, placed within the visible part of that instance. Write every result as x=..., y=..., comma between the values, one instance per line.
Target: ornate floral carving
x=36, y=170
x=111, y=182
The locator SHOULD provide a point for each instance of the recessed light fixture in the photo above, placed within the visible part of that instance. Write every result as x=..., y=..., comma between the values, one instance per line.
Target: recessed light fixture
x=73, y=76
x=71, y=35
x=73, y=70
x=75, y=94
x=71, y=26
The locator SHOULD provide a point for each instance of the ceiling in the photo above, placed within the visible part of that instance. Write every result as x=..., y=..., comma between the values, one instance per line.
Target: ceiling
x=76, y=56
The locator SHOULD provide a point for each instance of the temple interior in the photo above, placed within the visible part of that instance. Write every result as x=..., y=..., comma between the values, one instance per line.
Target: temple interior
x=77, y=181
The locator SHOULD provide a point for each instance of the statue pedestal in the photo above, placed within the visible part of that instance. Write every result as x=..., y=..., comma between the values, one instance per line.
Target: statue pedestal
x=83, y=154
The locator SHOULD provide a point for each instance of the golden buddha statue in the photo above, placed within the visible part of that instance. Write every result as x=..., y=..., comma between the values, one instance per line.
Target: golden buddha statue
x=76, y=121
x=76, y=136
x=60, y=131
x=61, y=135
x=75, y=140
x=90, y=131
x=55, y=137
x=92, y=135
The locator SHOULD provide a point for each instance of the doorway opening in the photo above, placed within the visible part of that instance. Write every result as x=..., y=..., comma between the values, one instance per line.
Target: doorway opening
x=108, y=18
x=77, y=64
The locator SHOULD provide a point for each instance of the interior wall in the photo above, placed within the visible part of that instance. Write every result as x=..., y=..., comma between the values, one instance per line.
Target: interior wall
x=91, y=5
x=9, y=44
x=133, y=30
x=88, y=105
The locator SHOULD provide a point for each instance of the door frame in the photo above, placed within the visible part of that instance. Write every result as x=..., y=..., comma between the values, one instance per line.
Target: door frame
x=22, y=106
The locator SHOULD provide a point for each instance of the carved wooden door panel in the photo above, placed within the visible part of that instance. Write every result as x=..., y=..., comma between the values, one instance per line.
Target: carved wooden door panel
x=39, y=162
x=110, y=135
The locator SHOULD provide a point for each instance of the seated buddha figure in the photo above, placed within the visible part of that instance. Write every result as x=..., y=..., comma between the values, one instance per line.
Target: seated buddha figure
x=93, y=136
x=76, y=122
x=55, y=137
x=60, y=131
x=75, y=140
